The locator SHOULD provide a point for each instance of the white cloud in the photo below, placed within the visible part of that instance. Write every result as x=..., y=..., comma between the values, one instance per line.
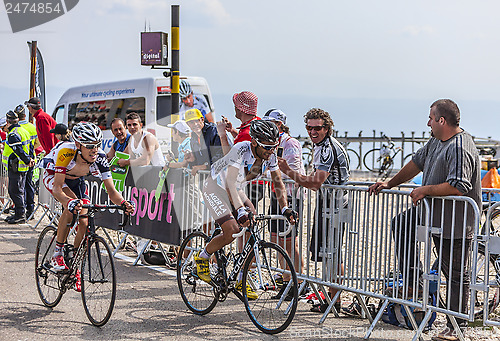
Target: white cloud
x=215, y=10
x=415, y=30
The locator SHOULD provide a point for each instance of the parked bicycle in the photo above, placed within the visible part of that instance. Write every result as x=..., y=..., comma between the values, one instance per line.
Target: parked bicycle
x=381, y=160
x=263, y=265
x=94, y=260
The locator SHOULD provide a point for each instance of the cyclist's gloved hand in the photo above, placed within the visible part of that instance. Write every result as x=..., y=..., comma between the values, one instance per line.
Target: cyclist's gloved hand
x=290, y=215
x=74, y=205
x=128, y=206
x=243, y=216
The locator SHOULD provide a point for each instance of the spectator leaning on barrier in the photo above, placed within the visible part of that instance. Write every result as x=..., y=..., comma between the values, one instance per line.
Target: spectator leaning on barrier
x=450, y=165
x=292, y=153
x=190, y=100
x=16, y=156
x=331, y=166
x=143, y=147
x=181, y=134
x=205, y=141
x=44, y=123
x=122, y=137
x=29, y=194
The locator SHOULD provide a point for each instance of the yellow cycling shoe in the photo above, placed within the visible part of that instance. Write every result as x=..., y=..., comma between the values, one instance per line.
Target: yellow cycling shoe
x=202, y=268
x=252, y=295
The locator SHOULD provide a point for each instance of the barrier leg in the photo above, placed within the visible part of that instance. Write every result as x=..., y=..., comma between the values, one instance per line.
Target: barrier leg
x=122, y=241
x=362, y=303
x=457, y=329
x=422, y=324
x=45, y=212
x=139, y=252
x=109, y=238
x=6, y=205
x=330, y=306
x=376, y=319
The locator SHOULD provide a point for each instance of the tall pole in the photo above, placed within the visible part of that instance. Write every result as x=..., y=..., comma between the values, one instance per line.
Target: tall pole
x=175, y=73
x=33, y=68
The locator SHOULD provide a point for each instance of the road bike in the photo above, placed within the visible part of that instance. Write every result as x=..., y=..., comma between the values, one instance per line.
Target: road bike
x=93, y=259
x=263, y=264
x=381, y=160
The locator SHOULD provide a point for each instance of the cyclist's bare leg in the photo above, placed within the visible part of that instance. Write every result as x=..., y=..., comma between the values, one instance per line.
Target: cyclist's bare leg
x=229, y=227
x=65, y=219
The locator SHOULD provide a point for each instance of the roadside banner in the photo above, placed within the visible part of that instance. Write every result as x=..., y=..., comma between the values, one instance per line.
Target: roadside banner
x=118, y=173
x=156, y=219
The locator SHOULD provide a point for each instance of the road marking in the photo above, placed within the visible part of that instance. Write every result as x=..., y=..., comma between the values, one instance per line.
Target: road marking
x=10, y=235
x=152, y=267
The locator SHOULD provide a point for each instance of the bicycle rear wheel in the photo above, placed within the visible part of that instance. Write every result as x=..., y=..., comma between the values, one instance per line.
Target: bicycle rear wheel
x=373, y=160
x=198, y=295
x=98, y=278
x=353, y=159
x=47, y=282
x=259, y=274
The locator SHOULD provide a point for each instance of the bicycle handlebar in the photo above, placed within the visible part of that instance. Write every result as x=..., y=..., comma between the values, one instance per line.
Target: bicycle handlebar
x=92, y=207
x=259, y=217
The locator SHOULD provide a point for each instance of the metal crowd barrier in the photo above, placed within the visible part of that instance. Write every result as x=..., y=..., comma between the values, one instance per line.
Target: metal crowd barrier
x=362, y=248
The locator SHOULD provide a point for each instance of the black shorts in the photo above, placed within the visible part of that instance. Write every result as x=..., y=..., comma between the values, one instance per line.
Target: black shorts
x=77, y=186
x=276, y=226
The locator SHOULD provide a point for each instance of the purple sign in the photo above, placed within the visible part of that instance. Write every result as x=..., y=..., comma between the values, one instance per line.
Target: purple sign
x=154, y=48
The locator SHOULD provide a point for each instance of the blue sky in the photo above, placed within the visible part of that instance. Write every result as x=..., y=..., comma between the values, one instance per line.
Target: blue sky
x=371, y=64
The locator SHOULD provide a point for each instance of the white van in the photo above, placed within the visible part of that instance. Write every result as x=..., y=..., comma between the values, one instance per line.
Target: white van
x=149, y=97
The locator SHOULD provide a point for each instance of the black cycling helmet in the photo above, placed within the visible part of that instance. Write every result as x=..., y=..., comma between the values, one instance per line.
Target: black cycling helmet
x=264, y=131
x=10, y=115
x=19, y=109
x=86, y=132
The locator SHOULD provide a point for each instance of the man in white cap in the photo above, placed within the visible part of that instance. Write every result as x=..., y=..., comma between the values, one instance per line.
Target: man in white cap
x=182, y=135
x=292, y=153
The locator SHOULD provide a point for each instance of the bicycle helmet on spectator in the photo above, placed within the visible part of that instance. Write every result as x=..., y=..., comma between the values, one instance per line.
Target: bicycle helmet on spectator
x=19, y=109
x=264, y=131
x=184, y=89
x=85, y=132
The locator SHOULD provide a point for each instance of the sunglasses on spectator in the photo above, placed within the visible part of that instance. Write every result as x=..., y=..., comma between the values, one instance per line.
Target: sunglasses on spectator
x=267, y=146
x=92, y=146
x=315, y=128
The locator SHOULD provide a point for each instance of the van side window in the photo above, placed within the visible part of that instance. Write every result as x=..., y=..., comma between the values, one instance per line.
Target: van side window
x=58, y=114
x=163, y=110
x=102, y=113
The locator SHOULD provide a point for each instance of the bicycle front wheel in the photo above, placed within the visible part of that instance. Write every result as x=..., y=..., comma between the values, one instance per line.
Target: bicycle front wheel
x=353, y=159
x=198, y=295
x=269, y=312
x=98, y=278
x=47, y=282
x=373, y=160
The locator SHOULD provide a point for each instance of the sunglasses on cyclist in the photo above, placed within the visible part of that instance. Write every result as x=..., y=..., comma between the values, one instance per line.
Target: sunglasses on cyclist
x=315, y=128
x=92, y=146
x=267, y=146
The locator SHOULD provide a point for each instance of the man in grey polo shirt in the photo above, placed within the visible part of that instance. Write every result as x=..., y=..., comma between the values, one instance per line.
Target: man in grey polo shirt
x=450, y=165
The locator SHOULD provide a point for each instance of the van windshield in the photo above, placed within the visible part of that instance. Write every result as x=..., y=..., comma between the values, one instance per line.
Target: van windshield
x=101, y=113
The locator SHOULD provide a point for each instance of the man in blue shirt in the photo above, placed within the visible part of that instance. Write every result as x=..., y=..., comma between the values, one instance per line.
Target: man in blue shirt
x=121, y=138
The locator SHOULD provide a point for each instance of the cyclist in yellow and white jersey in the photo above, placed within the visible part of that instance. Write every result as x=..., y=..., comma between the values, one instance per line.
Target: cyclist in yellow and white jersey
x=65, y=166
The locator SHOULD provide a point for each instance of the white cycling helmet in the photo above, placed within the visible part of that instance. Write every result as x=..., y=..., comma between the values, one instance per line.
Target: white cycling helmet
x=85, y=132
x=184, y=89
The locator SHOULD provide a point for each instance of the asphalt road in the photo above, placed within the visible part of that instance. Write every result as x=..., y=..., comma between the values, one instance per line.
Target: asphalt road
x=148, y=307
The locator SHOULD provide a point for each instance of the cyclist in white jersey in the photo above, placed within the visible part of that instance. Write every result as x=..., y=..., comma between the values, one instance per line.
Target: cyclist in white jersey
x=224, y=189
x=143, y=147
